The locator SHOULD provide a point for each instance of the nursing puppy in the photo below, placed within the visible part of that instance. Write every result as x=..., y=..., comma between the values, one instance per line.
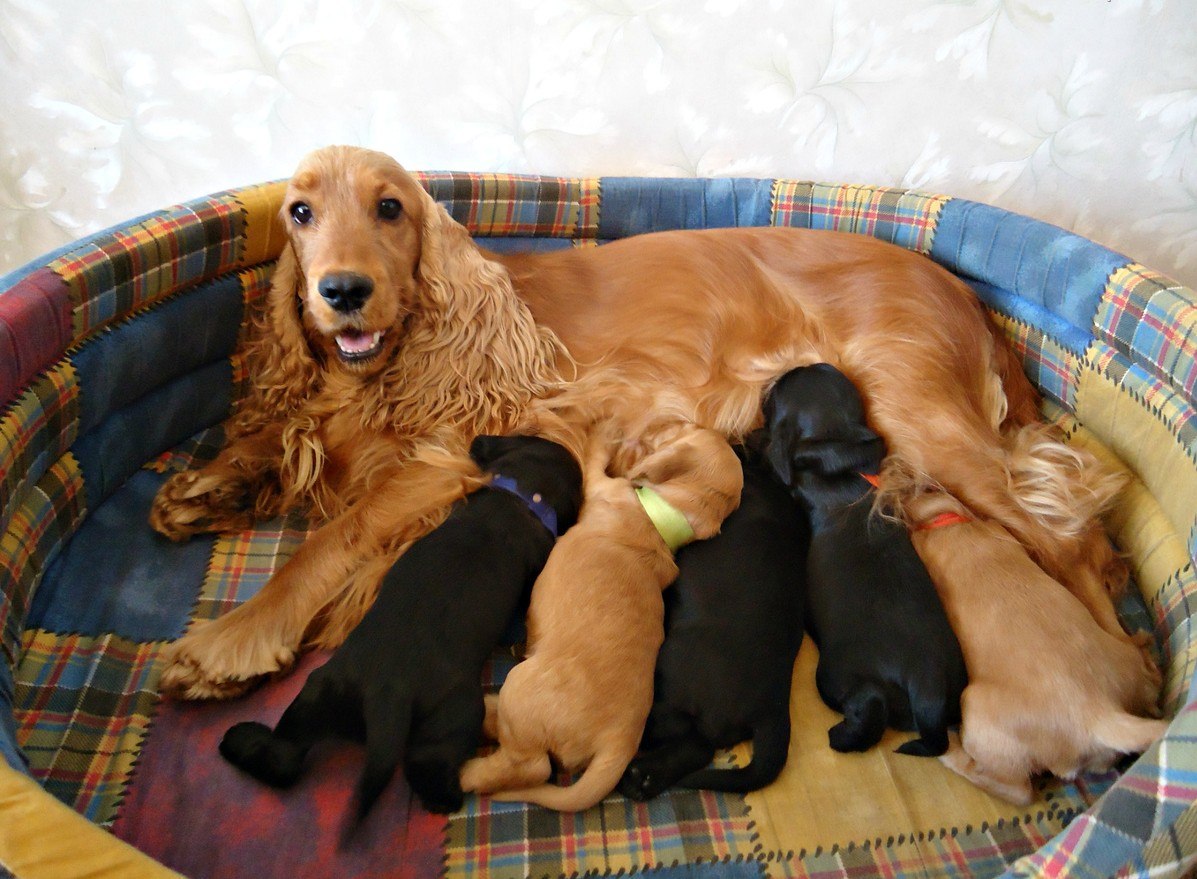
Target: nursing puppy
x=733, y=628
x=1049, y=689
x=595, y=624
x=887, y=654
x=407, y=680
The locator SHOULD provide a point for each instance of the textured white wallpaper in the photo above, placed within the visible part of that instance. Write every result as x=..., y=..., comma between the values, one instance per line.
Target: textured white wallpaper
x=1079, y=112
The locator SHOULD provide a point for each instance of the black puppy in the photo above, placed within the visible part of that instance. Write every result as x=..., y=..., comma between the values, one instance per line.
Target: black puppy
x=407, y=680
x=733, y=626
x=887, y=654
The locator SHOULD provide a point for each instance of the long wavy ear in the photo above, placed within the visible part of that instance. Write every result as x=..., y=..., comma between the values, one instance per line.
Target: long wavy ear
x=282, y=369
x=475, y=356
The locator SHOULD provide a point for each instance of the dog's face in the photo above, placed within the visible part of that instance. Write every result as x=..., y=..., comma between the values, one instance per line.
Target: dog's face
x=814, y=417
x=538, y=466
x=354, y=218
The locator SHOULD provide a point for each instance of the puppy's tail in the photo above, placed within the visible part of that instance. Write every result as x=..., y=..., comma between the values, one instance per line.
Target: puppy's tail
x=865, y=717
x=388, y=722
x=770, y=748
x=270, y=758
x=599, y=779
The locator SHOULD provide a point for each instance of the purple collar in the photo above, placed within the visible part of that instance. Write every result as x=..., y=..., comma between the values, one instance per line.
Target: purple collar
x=546, y=514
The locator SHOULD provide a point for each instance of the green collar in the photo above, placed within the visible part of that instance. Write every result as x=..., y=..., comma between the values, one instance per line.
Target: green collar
x=669, y=522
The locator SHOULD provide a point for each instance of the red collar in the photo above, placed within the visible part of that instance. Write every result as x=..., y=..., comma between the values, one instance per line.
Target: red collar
x=940, y=521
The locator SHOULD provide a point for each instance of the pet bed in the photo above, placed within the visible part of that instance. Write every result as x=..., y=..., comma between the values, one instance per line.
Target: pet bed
x=119, y=358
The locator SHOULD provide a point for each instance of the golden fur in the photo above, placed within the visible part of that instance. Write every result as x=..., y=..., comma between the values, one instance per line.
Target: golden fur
x=665, y=333
x=1049, y=689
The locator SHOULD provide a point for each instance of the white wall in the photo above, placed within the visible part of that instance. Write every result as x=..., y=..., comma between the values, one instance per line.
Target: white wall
x=1079, y=112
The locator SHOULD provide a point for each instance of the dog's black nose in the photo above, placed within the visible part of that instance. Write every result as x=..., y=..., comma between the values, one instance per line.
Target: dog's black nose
x=345, y=291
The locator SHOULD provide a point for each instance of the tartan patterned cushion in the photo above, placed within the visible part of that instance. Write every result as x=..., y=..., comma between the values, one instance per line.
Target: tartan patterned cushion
x=1110, y=344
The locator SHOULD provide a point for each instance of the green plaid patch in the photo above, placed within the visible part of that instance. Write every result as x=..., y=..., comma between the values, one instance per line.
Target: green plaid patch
x=83, y=705
x=895, y=215
x=497, y=205
x=35, y=431
x=38, y=529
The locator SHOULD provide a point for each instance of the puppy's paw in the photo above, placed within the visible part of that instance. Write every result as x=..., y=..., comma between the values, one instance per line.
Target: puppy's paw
x=438, y=786
x=639, y=782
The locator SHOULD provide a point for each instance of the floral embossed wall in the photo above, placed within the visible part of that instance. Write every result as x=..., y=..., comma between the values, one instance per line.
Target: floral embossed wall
x=1079, y=112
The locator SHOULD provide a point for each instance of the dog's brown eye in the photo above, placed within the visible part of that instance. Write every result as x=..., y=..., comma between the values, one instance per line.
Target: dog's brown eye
x=301, y=213
x=389, y=209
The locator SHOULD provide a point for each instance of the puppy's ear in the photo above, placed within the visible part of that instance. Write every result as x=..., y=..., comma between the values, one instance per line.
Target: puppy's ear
x=486, y=448
x=780, y=460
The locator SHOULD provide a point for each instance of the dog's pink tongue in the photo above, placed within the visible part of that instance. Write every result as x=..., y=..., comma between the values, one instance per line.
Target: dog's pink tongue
x=355, y=343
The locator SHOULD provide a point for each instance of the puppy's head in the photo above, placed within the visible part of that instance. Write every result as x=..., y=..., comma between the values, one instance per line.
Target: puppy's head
x=354, y=218
x=539, y=467
x=815, y=421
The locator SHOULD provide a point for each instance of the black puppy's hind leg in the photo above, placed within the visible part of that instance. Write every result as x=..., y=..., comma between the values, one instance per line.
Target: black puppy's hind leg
x=934, y=712
x=439, y=746
x=276, y=756
x=770, y=750
x=659, y=769
x=388, y=719
x=865, y=716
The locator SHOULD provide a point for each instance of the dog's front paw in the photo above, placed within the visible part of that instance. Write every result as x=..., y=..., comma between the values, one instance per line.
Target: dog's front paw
x=220, y=660
x=197, y=501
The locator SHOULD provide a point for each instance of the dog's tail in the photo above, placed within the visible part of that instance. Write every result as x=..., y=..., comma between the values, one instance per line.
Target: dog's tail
x=865, y=716
x=268, y=757
x=599, y=779
x=770, y=748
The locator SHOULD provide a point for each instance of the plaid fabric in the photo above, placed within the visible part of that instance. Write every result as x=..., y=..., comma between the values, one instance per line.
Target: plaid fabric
x=1145, y=803
x=242, y=563
x=35, y=431
x=494, y=205
x=1152, y=320
x=83, y=705
x=39, y=527
x=1155, y=395
x=1174, y=608
x=35, y=329
x=1051, y=368
x=895, y=215
x=1171, y=854
x=500, y=840
x=120, y=271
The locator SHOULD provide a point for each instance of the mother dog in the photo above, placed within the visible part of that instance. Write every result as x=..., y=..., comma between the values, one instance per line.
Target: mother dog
x=390, y=339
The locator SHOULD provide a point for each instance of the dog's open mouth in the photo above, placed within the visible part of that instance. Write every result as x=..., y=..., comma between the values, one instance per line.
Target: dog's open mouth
x=354, y=346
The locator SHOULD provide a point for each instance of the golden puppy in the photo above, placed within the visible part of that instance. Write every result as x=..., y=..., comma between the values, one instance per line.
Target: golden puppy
x=595, y=624
x=1049, y=689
